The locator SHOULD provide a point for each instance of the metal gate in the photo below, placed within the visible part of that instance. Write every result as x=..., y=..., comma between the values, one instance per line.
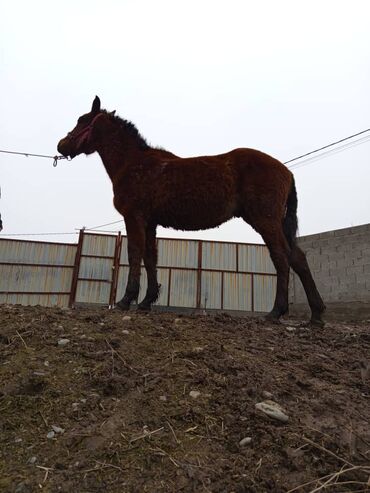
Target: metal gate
x=96, y=264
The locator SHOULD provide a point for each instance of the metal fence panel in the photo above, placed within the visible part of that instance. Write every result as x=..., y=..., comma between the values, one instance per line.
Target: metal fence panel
x=34, y=299
x=95, y=274
x=255, y=258
x=124, y=258
x=121, y=282
x=33, y=252
x=237, y=292
x=178, y=253
x=93, y=292
x=163, y=280
x=99, y=245
x=96, y=268
x=264, y=288
x=183, y=289
x=30, y=278
x=219, y=256
x=211, y=290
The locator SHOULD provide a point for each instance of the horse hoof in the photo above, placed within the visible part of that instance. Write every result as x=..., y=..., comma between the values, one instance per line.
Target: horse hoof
x=317, y=323
x=144, y=307
x=271, y=318
x=121, y=305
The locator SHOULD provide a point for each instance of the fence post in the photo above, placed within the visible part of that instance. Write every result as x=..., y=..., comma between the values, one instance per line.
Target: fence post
x=115, y=269
x=199, y=274
x=76, y=269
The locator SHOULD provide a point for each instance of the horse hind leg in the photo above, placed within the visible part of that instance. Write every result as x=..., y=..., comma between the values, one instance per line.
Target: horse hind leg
x=299, y=263
x=274, y=238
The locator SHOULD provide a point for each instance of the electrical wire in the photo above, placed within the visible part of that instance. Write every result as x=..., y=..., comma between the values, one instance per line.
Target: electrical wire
x=330, y=152
x=298, y=165
x=328, y=145
x=37, y=234
x=102, y=225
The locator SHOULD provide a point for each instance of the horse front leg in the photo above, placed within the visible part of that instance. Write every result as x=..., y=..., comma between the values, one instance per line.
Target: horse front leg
x=150, y=263
x=135, y=228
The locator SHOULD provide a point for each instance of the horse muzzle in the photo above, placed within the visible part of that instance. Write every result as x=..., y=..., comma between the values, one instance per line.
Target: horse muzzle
x=65, y=148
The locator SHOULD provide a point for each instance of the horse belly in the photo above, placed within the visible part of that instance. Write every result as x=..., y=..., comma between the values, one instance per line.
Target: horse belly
x=191, y=214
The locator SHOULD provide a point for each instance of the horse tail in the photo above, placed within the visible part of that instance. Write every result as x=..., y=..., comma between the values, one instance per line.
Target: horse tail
x=290, y=222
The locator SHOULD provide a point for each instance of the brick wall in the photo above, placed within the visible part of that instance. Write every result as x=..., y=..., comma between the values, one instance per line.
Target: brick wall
x=340, y=264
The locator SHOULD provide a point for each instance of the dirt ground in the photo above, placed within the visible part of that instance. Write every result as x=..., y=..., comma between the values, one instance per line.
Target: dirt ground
x=93, y=400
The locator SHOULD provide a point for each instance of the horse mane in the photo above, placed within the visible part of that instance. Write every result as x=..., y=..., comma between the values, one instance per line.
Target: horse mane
x=129, y=128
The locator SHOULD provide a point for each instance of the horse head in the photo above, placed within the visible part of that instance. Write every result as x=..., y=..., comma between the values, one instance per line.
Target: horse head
x=84, y=137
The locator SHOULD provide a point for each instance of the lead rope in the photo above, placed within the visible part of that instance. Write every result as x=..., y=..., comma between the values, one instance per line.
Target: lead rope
x=58, y=158
x=28, y=154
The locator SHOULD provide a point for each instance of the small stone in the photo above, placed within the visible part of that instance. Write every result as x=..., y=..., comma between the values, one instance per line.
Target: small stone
x=273, y=410
x=198, y=349
x=51, y=434
x=57, y=429
x=46, y=363
x=60, y=327
x=32, y=459
x=83, y=400
x=126, y=332
x=75, y=406
x=21, y=488
x=268, y=395
x=162, y=398
x=245, y=441
x=126, y=318
x=290, y=329
x=177, y=321
x=63, y=342
x=101, y=324
x=194, y=394
x=18, y=440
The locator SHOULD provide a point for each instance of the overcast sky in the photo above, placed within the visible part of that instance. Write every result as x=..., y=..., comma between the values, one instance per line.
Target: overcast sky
x=197, y=77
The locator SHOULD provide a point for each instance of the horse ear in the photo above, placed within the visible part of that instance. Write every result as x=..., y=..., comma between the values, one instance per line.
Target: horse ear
x=96, y=105
x=112, y=113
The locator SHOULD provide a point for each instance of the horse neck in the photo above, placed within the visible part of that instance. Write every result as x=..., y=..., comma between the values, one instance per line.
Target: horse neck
x=117, y=153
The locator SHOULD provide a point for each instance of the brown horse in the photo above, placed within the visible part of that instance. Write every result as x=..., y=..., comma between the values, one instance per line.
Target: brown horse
x=154, y=187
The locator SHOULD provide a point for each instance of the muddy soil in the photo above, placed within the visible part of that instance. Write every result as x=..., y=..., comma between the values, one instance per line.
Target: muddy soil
x=93, y=400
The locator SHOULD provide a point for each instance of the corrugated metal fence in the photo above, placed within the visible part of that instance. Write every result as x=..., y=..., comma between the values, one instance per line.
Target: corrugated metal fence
x=36, y=273
x=192, y=273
